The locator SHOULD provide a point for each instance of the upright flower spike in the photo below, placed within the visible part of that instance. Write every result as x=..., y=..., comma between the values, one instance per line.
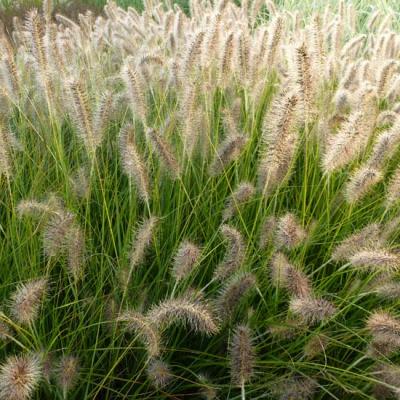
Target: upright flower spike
x=233, y=292
x=242, y=356
x=82, y=116
x=305, y=81
x=141, y=242
x=135, y=90
x=227, y=152
x=280, y=142
x=132, y=162
x=164, y=152
x=67, y=373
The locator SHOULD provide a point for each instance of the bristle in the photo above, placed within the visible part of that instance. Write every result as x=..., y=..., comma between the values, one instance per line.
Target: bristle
x=76, y=252
x=242, y=355
x=361, y=182
x=241, y=195
x=19, y=377
x=312, y=310
x=267, y=231
x=289, y=233
x=56, y=233
x=274, y=39
x=228, y=151
x=235, y=253
x=80, y=183
x=135, y=90
x=164, y=152
x=393, y=190
x=305, y=81
x=285, y=275
x=368, y=237
x=233, y=292
x=132, y=162
x=384, y=327
x=159, y=373
x=142, y=240
x=376, y=260
x=82, y=116
x=280, y=144
x=315, y=346
x=26, y=301
x=297, y=387
x=197, y=315
x=185, y=260
x=67, y=373
x=144, y=329
x=388, y=290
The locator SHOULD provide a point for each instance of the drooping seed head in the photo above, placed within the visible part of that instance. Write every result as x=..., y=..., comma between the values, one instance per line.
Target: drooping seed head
x=312, y=310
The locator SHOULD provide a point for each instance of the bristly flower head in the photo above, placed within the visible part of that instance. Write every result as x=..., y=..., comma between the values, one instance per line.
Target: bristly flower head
x=235, y=253
x=242, y=355
x=26, y=301
x=159, y=373
x=144, y=329
x=186, y=259
x=289, y=232
x=233, y=292
x=241, y=195
x=19, y=377
x=67, y=373
x=312, y=310
x=196, y=314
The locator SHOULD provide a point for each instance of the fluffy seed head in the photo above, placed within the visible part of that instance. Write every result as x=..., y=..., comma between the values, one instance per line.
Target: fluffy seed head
x=233, y=292
x=26, y=301
x=376, y=260
x=368, y=237
x=186, y=259
x=242, y=355
x=19, y=376
x=228, y=151
x=67, y=372
x=384, y=328
x=315, y=346
x=241, y=195
x=312, y=310
x=196, y=314
x=361, y=182
x=289, y=232
x=234, y=255
x=145, y=330
x=132, y=162
x=159, y=373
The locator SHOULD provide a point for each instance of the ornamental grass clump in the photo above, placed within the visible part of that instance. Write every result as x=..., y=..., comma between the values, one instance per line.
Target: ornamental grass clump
x=200, y=202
